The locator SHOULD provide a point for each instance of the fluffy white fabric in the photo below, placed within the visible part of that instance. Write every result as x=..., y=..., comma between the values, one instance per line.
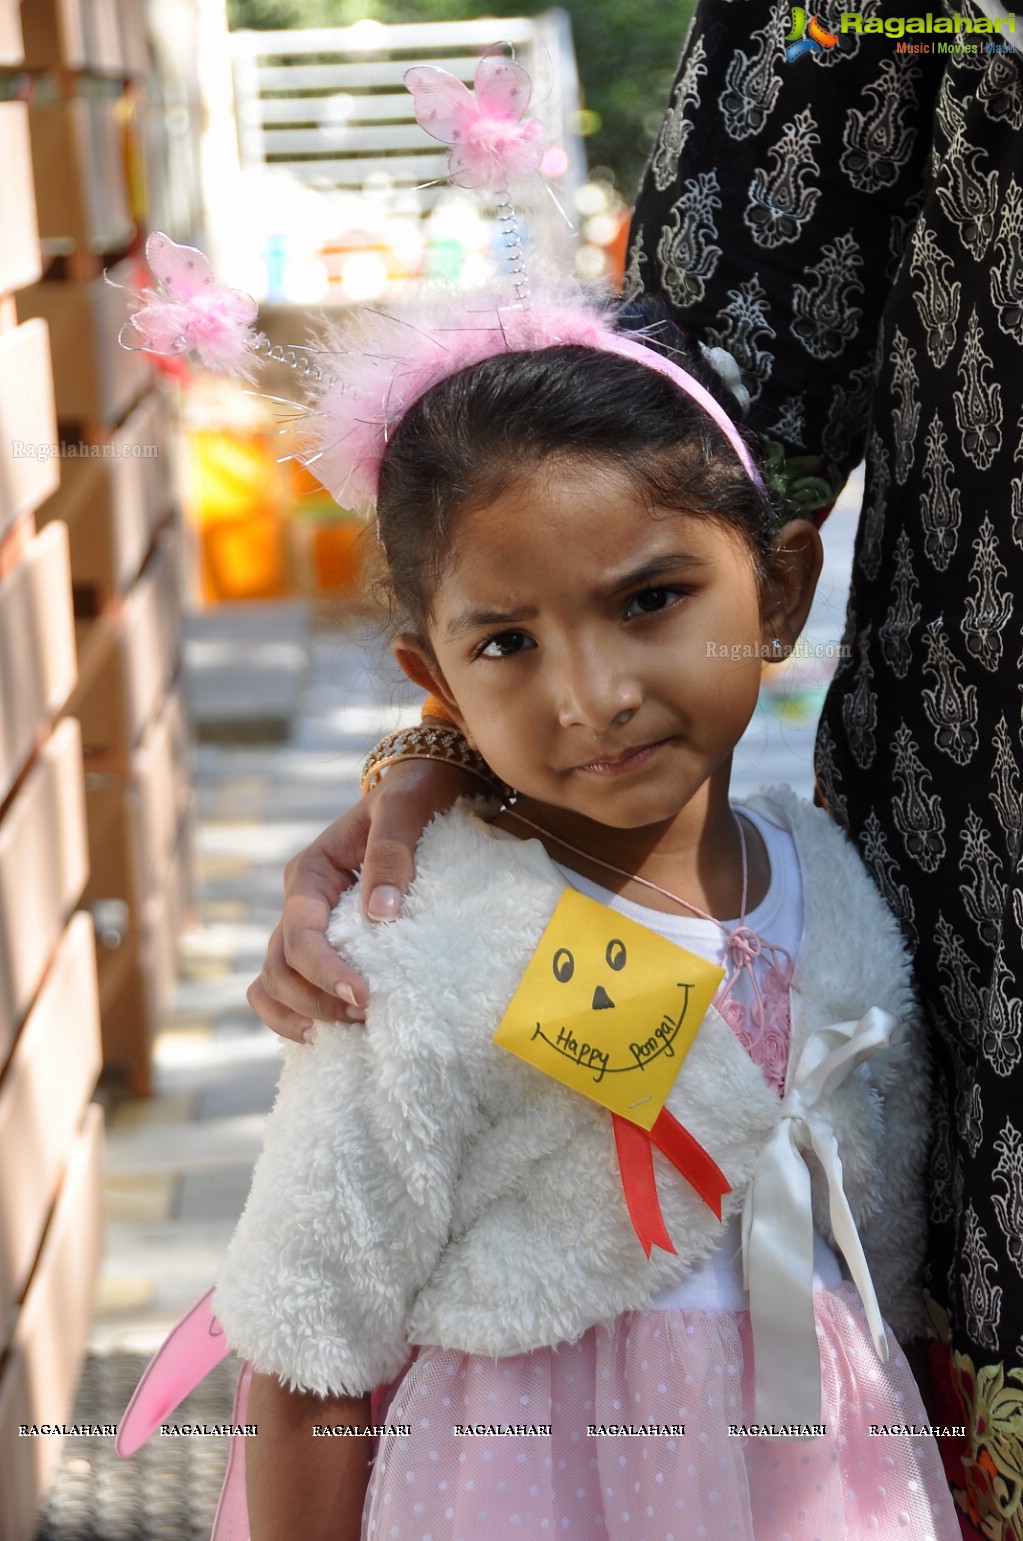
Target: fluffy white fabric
x=420, y=1185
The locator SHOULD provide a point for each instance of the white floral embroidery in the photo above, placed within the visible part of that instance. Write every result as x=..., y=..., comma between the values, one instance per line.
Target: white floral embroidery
x=1000, y=93
x=938, y=301
x=984, y=897
x=824, y=318
x=1007, y=276
x=962, y=992
x=849, y=413
x=675, y=125
x=829, y=776
x=753, y=81
x=950, y=705
x=744, y=326
x=782, y=201
x=940, y=509
x=969, y=197
x=978, y=405
x=879, y=143
x=1003, y=1020
x=982, y=1299
x=916, y=811
x=988, y=609
x=904, y=612
x=1007, y=799
x=1008, y=1206
x=859, y=707
x=632, y=279
x=942, y=1206
x=686, y=253
x=971, y=1119
x=874, y=505
x=790, y=424
x=906, y=415
x=874, y=845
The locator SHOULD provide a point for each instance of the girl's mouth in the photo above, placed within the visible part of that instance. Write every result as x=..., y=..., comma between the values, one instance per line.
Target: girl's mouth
x=623, y=764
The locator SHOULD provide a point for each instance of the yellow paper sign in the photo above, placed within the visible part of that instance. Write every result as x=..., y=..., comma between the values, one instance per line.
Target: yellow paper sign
x=608, y=1008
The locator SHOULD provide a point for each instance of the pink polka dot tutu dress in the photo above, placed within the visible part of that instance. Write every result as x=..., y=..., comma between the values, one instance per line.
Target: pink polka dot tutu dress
x=580, y=1471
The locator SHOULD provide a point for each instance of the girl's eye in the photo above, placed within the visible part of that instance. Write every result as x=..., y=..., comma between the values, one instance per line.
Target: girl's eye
x=504, y=645
x=649, y=601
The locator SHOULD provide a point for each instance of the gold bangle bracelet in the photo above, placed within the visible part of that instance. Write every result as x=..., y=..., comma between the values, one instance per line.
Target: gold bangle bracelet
x=439, y=742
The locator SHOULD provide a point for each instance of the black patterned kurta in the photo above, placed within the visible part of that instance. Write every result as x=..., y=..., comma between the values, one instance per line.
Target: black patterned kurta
x=863, y=204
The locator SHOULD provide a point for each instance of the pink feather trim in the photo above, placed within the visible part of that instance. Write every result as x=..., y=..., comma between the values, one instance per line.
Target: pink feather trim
x=386, y=361
x=382, y=363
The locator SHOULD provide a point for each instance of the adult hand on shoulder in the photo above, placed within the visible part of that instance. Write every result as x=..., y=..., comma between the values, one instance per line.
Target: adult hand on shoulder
x=303, y=980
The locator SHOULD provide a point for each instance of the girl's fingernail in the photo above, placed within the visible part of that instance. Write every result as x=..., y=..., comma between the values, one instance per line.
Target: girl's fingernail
x=384, y=903
x=347, y=994
x=309, y=1033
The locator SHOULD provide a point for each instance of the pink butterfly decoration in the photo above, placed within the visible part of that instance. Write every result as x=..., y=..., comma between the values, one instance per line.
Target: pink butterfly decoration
x=192, y=314
x=490, y=140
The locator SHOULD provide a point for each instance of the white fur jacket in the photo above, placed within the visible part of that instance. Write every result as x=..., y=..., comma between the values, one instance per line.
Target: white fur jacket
x=420, y=1185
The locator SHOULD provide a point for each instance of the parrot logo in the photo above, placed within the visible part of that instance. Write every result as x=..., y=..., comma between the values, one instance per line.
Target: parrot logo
x=807, y=35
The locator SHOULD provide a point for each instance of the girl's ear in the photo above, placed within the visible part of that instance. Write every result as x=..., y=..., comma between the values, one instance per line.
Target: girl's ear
x=419, y=664
x=793, y=568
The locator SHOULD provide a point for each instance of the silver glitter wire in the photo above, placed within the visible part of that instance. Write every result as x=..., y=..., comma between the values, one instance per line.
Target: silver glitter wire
x=511, y=235
x=295, y=358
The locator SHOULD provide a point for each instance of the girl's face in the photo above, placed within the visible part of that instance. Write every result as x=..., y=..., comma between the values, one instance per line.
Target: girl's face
x=605, y=660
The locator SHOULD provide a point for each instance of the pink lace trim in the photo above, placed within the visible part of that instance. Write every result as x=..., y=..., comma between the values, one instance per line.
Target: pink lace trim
x=764, y=1028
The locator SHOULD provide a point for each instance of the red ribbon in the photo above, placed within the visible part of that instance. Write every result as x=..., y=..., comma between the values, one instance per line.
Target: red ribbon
x=635, y=1147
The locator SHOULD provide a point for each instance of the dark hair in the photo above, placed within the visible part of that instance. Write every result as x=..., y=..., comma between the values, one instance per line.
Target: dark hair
x=468, y=437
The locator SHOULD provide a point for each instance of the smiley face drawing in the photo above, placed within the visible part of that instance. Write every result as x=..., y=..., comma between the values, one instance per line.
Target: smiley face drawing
x=661, y=1039
x=608, y=1008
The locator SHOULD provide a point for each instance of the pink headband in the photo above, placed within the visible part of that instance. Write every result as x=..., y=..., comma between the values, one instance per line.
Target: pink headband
x=366, y=375
x=394, y=358
x=692, y=388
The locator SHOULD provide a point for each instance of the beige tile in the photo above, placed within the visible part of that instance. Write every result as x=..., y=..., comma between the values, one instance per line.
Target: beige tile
x=140, y=1199
x=117, y=1294
x=225, y=911
x=167, y=1108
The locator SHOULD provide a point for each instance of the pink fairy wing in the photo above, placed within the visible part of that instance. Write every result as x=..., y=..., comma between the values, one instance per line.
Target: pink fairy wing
x=503, y=88
x=192, y=1348
x=469, y=168
x=184, y=271
x=443, y=105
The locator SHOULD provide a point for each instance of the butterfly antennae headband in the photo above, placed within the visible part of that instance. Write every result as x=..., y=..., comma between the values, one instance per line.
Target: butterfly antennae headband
x=361, y=385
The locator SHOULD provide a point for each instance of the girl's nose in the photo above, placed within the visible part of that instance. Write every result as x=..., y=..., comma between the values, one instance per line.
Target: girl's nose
x=595, y=695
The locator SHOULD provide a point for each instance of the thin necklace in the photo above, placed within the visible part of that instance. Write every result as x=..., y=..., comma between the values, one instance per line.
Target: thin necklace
x=645, y=882
x=743, y=945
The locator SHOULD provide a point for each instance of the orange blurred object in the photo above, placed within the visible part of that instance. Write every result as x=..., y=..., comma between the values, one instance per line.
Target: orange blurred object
x=337, y=566
x=305, y=485
x=329, y=560
x=241, y=495
x=618, y=252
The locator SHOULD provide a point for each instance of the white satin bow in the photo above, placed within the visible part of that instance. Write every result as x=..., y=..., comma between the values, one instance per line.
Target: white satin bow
x=777, y=1225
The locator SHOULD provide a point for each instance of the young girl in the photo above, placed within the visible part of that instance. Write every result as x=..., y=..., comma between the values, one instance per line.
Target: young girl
x=579, y=1336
